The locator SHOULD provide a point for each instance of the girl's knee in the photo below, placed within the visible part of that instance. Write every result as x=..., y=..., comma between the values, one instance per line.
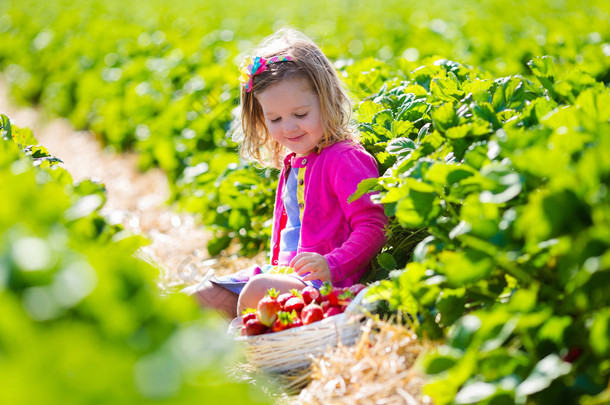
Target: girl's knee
x=258, y=285
x=252, y=292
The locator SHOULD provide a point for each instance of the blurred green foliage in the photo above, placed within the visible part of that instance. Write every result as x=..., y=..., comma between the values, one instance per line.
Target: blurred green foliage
x=83, y=320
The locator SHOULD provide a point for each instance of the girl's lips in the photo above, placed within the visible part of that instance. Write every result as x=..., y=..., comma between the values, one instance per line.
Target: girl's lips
x=296, y=138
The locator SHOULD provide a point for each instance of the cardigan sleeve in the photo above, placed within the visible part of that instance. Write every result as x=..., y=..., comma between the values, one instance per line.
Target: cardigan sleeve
x=366, y=219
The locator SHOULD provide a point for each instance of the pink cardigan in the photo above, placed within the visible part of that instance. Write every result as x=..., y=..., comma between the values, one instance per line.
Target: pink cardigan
x=348, y=235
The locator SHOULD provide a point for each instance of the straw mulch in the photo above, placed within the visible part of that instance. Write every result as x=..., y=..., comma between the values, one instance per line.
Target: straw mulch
x=379, y=369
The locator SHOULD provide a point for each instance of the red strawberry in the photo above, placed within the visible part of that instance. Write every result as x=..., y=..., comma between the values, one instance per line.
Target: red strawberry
x=573, y=354
x=294, y=304
x=325, y=305
x=356, y=288
x=339, y=290
x=310, y=294
x=296, y=322
x=283, y=321
x=268, y=307
x=282, y=298
x=312, y=313
x=255, y=327
x=330, y=293
x=332, y=311
x=247, y=314
x=346, y=297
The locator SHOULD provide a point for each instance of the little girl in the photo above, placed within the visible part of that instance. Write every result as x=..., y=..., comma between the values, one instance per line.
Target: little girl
x=295, y=115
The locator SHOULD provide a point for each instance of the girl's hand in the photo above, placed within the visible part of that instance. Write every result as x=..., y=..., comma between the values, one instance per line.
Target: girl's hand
x=313, y=263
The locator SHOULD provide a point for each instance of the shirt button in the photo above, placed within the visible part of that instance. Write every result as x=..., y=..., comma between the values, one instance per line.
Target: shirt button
x=304, y=161
x=274, y=262
x=301, y=182
x=301, y=205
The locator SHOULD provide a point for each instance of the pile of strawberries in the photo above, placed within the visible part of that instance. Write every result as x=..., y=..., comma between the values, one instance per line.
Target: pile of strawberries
x=276, y=312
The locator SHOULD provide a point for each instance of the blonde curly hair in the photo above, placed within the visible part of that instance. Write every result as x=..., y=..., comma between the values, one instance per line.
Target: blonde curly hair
x=307, y=62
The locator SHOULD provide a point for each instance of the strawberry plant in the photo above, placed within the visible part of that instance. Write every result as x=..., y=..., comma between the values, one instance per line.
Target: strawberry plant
x=505, y=177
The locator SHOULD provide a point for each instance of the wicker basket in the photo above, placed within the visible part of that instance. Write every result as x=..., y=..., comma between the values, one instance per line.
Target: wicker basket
x=294, y=348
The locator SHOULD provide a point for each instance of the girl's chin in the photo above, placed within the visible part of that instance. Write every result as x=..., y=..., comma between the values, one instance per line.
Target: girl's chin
x=300, y=152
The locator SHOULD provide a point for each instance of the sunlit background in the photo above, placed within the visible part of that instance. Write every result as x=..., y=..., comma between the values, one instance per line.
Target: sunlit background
x=82, y=320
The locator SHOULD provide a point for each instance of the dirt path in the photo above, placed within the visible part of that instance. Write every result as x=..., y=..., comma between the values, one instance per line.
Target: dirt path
x=135, y=199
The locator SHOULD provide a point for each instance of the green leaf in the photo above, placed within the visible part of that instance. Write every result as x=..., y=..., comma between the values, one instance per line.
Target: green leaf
x=217, y=244
x=386, y=261
x=475, y=393
x=474, y=128
x=451, y=306
x=446, y=88
x=510, y=93
x=365, y=186
x=465, y=267
x=507, y=184
x=402, y=128
x=448, y=174
x=544, y=373
x=366, y=110
x=600, y=333
x=5, y=126
x=462, y=334
x=384, y=119
x=543, y=67
x=437, y=363
x=444, y=117
x=418, y=209
x=478, y=89
x=486, y=112
x=554, y=329
x=401, y=146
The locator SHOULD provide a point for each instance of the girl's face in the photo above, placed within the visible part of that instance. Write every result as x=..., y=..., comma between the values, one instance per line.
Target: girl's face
x=292, y=113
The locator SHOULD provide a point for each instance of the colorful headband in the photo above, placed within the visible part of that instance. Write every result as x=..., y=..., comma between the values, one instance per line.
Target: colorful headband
x=255, y=66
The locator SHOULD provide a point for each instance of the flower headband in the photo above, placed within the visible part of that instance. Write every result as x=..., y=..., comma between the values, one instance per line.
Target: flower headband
x=256, y=66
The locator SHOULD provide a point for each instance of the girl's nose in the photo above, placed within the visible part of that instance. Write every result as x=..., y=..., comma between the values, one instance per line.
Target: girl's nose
x=289, y=126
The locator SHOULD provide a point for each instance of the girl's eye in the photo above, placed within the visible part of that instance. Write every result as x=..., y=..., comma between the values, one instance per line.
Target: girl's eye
x=301, y=115
x=275, y=120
